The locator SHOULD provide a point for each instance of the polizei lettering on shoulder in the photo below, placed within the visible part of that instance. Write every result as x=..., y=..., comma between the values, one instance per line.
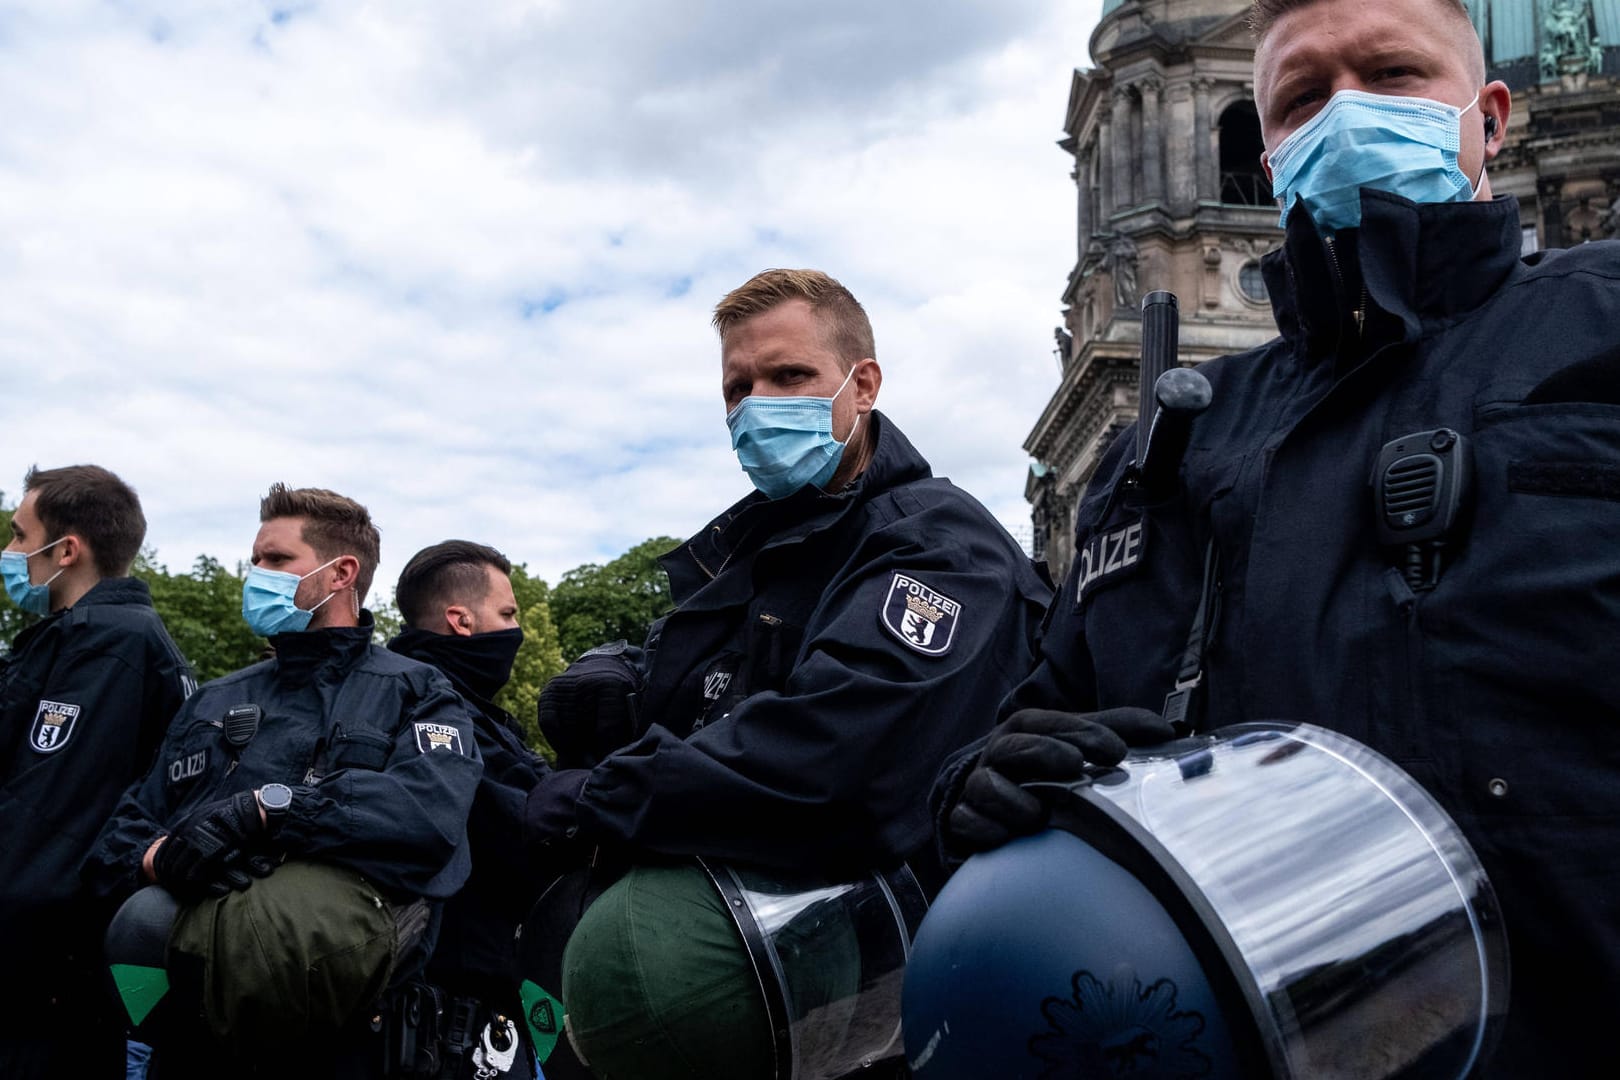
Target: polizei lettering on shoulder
x=1111, y=553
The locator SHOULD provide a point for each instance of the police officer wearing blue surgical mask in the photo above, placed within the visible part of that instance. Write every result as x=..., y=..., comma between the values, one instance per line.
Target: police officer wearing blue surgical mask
x=85, y=696
x=1467, y=641
x=836, y=633
x=336, y=757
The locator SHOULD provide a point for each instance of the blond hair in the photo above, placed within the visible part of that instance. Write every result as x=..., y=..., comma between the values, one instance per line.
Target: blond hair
x=848, y=330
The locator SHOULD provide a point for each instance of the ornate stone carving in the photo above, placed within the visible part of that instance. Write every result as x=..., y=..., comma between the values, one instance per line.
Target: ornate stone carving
x=1122, y=258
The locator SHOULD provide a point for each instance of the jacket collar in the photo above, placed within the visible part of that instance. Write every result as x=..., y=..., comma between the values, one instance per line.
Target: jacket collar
x=119, y=590
x=106, y=592
x=754, y=522
x=303, y=651
x=1418, y=265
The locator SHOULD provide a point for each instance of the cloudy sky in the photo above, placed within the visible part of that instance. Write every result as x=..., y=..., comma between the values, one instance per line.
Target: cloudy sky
x=457, y=259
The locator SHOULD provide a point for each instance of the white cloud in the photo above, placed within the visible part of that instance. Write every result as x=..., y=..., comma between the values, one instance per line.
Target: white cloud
x=457, y=260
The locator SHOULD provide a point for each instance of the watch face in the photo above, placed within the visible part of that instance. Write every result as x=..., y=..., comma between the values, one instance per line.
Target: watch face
x=275, y=796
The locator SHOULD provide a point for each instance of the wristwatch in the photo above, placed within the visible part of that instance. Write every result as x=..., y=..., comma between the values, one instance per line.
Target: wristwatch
x=275, y=799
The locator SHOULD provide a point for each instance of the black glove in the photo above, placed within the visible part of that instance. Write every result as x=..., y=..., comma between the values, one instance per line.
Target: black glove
x=1040, y=744
x=206, y=852
x=590, y=710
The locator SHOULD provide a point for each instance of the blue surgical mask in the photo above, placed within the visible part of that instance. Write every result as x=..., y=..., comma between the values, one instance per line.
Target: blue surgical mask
x=267, y=601
x=34, y=599
x=784, y=443
x=1406, y=146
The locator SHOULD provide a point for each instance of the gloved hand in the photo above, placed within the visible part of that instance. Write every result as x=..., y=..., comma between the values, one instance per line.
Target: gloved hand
x=205, y=854
x=590, y=710
x=1040, y=744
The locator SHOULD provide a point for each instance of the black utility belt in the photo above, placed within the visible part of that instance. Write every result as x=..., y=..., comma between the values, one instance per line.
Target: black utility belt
x=430, y=1034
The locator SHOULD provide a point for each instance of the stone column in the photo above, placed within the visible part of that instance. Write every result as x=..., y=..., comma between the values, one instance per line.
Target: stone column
x=1105, y=171
x=1205, y=161
x=1179, y=180
x=1082, y=183
x=1152, y=141
x=1550, y=194
x=1124, y=195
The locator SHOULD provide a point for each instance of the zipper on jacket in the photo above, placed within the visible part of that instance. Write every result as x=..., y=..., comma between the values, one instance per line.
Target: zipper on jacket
x=1360, y=311
x=773, y=626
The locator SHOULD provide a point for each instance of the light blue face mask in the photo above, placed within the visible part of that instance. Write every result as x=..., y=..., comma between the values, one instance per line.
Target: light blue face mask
x=784, y=443
x=1406, y=146
x=34, y=599
x=267, y=601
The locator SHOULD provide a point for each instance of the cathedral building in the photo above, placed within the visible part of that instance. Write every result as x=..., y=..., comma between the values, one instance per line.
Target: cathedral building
x=1165, y=143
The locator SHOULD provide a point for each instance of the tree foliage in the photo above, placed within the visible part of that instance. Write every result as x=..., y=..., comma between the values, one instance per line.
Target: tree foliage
x=537, y=661
x=595, y=604
x=203, y=611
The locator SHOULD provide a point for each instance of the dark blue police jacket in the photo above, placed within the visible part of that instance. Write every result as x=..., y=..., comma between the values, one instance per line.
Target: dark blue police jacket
x=475, y=954
x=378, y=749
x=826, y=654
x=1499, y=690
x=84, y=701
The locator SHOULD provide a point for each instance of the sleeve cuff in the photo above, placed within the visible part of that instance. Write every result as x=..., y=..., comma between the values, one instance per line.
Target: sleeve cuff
x=551, y=812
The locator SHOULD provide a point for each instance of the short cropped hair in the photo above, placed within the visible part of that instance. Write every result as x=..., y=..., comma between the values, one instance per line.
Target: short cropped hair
x=95, y=506
x=447, y=573
x=1262, y=13
x=848, y=330
x=334, y=525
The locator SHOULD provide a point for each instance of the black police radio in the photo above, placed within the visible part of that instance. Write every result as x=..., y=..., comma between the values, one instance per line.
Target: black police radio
x=1420, y=482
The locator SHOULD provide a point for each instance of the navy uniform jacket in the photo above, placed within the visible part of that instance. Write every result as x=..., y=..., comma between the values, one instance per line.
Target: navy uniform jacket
x=84, y=700
x=475, y=954
x=826, y=654
x=378, y=750
x=1499, y=691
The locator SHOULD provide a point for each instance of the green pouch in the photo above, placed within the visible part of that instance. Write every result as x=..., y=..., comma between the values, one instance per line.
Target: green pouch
x=295, y=956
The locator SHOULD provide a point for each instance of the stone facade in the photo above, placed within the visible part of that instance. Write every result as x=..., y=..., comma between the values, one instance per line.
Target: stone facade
x=1561, y=58
x=1166, y=147
x=1166, y=143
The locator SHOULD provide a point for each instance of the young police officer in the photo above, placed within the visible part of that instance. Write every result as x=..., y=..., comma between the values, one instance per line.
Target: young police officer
x=305, y=811
x=837, y=633
x=462, y=617
x=84, y=700
x=1477, y=658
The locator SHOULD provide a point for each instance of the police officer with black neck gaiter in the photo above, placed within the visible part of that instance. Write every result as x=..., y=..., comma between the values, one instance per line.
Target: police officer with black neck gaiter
x=461, y=616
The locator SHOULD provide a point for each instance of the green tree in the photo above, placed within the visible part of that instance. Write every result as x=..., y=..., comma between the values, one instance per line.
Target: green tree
x=537, y=661
x=203, y=611
x=387, y=620
x=596, y=604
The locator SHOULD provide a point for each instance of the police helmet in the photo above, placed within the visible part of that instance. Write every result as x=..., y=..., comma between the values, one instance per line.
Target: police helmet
x=1270, y=900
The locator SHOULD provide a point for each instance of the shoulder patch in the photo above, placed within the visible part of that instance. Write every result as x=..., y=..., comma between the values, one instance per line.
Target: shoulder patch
x=922, y=618
x=437, y=737
x=54, y=724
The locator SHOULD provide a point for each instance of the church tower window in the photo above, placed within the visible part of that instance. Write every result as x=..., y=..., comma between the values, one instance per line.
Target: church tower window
x=1243, y=181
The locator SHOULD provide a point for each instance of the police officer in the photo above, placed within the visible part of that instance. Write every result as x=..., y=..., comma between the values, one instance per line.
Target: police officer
x=1470, y=653
x=461, y=616
x=84, y=699
x=336, y=755
x=837, y=633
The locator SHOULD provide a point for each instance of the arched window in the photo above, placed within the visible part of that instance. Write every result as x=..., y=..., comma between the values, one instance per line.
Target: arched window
x=1243, y=181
